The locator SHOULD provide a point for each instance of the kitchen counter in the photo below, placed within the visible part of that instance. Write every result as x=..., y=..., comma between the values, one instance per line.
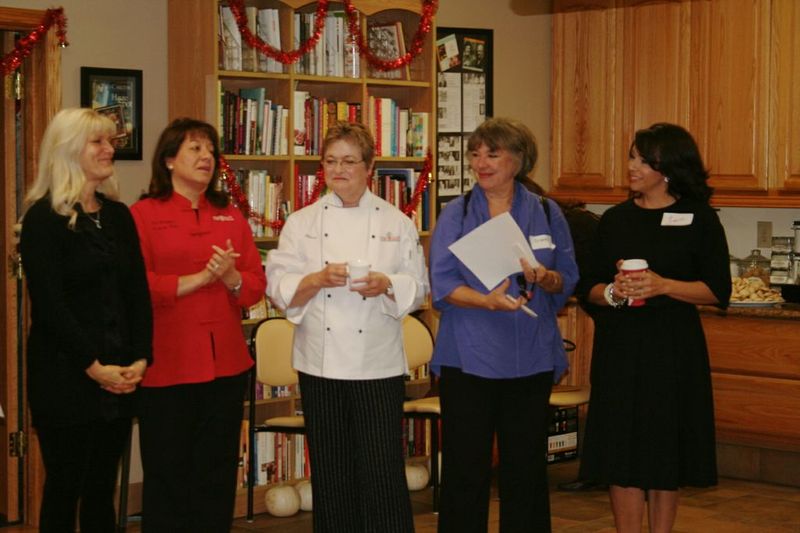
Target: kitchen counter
x=786, y=311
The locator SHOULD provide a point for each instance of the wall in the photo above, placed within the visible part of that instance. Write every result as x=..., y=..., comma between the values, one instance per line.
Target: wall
x=117, y=34
x=522, y=36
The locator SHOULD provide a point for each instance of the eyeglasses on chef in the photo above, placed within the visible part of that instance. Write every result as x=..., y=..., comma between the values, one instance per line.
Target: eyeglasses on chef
x=347, y=163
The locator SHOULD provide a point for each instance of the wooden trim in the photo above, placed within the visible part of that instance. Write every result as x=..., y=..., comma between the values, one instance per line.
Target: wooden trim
x=20, y=19
x=41, y=100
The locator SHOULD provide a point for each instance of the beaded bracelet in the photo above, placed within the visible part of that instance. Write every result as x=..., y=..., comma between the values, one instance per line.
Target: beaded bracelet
x=612, y=299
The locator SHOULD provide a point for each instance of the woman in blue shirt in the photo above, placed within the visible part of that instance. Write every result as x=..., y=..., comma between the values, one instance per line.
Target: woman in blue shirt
x=497, y=363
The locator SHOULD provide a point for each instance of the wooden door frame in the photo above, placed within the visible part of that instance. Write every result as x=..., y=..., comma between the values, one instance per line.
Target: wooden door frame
x=41, y=100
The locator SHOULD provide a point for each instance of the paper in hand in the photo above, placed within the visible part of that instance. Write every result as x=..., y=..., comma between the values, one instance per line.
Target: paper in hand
x=493, y=249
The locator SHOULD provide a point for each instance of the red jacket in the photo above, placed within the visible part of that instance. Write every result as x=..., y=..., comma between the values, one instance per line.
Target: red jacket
x=197, y=337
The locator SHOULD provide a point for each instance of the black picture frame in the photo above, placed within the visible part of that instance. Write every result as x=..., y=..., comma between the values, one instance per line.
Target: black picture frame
x=464, y=99
x=117, y=93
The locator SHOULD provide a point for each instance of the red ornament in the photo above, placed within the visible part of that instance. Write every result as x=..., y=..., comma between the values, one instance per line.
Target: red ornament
x=24, y=46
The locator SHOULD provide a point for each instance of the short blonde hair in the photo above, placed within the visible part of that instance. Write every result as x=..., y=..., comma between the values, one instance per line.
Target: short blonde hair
x=352, y=132
x=60, y=173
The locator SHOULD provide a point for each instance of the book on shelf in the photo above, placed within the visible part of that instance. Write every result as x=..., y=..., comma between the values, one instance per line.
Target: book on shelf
x=303, y=187
x=562, y=439
x=249, y=54
x=269, y=29
x=386, y=41
x=230, y=40
x=420, y=125
x=252, y=124
x=334, y=54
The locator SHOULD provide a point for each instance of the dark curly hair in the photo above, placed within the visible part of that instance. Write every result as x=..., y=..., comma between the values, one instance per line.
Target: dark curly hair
x=168, y=145
x=672, y=151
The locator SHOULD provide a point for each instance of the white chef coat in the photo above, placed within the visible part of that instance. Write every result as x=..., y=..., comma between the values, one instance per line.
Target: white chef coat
x=340, y=334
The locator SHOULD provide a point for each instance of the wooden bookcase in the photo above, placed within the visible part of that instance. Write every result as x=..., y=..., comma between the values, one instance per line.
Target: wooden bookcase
x=194, y=91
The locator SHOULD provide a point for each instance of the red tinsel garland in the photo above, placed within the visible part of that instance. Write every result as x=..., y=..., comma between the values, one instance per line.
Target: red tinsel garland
x=286, y=58
x=429, y=8
x=239, y=198
x=425, y=25
x=24, y=45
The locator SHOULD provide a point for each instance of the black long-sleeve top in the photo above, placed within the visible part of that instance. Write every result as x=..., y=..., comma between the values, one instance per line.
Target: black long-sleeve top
x=89, y=300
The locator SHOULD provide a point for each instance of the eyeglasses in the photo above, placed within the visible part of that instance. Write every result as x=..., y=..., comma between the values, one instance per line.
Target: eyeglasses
x=347, y=163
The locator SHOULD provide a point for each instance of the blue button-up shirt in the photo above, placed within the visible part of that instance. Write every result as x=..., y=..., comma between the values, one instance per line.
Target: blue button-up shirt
x=501, y=344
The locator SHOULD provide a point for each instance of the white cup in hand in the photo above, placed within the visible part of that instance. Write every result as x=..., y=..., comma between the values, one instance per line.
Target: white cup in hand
x=356, y=270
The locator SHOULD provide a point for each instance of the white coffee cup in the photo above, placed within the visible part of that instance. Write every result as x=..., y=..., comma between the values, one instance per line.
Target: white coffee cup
x=356, y=270
x=634, y=266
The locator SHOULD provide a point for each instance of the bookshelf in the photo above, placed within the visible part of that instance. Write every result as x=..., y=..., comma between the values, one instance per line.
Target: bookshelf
x=198, y=84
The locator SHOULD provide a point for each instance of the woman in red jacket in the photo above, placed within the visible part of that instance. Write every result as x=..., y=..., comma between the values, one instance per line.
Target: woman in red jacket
x=202, y=268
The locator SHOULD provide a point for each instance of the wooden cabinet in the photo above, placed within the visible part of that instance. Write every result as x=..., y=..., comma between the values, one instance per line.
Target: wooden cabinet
x=755, y=367
x=724, y=69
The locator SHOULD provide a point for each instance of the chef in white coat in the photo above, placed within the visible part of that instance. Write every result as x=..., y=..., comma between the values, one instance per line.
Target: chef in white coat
x=348, y=345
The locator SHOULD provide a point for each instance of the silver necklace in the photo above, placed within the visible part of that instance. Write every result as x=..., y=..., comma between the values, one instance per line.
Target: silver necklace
x=96, y=219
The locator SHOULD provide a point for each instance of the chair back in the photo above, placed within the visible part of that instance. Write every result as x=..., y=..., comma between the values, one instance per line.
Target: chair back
x=272, y=343
x=417, y=342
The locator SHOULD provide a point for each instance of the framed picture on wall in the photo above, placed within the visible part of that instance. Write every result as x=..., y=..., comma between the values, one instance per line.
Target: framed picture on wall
x=117, y=93
x=464, y=101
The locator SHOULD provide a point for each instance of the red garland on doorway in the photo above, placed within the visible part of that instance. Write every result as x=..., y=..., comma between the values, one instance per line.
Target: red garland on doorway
x=13, y=60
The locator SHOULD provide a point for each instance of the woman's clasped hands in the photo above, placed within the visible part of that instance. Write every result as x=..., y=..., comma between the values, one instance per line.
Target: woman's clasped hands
x=118, y=379
x=222, y=265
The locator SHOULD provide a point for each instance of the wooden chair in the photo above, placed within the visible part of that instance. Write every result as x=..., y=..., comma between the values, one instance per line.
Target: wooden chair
x=418, y=345
x=271, y=348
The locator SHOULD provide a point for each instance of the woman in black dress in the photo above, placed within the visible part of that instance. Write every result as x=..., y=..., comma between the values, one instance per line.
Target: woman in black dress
x=91, y=327
x=650, y=427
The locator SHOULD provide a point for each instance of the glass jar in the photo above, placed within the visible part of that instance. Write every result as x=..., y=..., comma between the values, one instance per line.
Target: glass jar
x=782, y=244
x=796, y=228
x=734, y=263
x=755, y=265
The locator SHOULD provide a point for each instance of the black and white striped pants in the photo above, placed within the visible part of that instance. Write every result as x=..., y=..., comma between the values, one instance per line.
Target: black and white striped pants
x=354, y=431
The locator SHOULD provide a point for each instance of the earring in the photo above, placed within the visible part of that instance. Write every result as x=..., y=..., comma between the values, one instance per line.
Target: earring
x=169, y=167
x=666, y=179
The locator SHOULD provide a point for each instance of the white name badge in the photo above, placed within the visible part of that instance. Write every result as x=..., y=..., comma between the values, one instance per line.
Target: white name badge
x=541, y=242
x=677, y=219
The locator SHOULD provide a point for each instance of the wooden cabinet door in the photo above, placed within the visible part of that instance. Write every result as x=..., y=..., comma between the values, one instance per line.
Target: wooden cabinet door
x=729, y=83
x=585, y=129
x=785, y=102
x=655, y=67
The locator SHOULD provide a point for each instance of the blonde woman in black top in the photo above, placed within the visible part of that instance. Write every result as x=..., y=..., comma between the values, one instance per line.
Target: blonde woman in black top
x=91, y=330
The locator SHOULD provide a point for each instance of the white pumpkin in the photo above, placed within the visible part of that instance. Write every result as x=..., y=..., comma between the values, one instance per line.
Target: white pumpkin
x=416, y=476
x=303, y=488
x=282, y=500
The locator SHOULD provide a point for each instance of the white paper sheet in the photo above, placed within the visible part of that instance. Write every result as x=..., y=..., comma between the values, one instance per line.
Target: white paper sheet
x=493, y=249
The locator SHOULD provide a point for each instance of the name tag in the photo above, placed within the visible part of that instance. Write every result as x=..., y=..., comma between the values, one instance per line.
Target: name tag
x=541, y=242
x=677, y=219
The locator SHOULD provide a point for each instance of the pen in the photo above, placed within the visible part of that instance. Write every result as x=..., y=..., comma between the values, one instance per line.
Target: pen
x=527, y=310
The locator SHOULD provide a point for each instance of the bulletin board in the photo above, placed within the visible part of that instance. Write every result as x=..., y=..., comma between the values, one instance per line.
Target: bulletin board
x=464, y=101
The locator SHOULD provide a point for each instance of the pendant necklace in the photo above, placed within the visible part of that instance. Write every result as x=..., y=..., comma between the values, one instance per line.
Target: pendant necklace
x=96, y=219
